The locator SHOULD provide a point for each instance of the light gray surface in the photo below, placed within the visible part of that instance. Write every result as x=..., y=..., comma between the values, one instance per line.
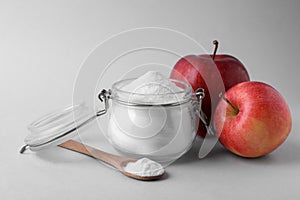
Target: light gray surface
x=42, y=45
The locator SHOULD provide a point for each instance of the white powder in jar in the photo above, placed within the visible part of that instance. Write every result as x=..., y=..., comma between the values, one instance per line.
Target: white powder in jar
x=153, y=87
x=144, y=167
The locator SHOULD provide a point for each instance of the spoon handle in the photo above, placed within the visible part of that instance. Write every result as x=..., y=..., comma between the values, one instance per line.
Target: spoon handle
x=114, y=160
x=111, y=159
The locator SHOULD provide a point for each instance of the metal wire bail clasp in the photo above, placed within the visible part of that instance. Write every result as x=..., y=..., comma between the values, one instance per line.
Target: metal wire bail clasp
x=104, y=95
x=200, y=96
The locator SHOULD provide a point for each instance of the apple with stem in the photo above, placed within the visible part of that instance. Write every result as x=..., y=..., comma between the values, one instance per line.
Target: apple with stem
x=214, y=73
x=252, y=119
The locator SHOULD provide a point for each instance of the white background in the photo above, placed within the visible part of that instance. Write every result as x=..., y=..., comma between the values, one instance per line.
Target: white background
x=42, y=45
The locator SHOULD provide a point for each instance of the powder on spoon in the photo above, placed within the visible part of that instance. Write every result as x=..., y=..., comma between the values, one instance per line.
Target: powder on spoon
x=144, y=167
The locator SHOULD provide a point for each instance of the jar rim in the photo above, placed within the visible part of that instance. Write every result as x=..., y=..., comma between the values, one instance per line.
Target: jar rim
x=185, y=93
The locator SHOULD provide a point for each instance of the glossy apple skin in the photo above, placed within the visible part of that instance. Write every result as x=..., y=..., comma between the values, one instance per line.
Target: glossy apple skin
x=262, y=123
x=219, y=74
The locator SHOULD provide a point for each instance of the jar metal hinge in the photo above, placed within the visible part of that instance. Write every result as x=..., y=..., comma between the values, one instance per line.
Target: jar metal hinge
x=104, y=96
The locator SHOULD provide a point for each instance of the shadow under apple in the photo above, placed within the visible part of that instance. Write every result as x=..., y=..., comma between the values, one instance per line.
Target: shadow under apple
x=286, y=155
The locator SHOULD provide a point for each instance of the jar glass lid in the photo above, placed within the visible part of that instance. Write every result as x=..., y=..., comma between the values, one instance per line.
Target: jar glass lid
x=57, y=127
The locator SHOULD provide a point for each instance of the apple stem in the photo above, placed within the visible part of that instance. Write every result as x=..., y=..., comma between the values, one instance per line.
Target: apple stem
x=227, y=101
x=216, y=43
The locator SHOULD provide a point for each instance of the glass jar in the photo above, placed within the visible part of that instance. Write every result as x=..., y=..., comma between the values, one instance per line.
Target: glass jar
x=161, y=130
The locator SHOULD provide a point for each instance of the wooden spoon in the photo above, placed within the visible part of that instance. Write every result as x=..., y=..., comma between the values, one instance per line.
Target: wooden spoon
x=114, y=160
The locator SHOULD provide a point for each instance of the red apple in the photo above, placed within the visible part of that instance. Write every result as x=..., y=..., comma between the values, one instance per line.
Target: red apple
x=252, y=119
x=214, y=73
